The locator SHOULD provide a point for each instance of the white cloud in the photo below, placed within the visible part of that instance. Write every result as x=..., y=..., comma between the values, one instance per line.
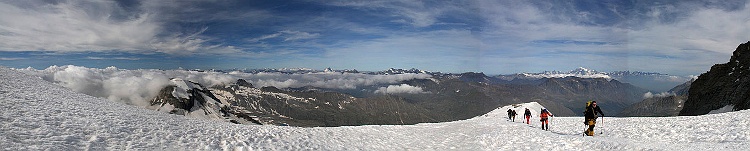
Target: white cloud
x=10, y=59
x=456, y=50
x=649, y=95
x=332, y=80
x=287, y=35
x=113, y=58
x=695, y=39
x=414, y=13
x=66, y=27
x=139, y=86
x=127, y=86
x=403, y=88
x=81, y=26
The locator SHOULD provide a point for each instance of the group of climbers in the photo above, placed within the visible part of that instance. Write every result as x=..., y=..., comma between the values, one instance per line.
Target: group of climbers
x=590, y=116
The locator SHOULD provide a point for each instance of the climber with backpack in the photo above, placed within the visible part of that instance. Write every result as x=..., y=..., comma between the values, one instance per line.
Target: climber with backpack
x=543, y=118
x=590, y=116
x=527, y=114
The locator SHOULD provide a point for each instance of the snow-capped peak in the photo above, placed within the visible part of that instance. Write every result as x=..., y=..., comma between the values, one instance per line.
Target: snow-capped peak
x=580, y=72
x=183, y=86
x=583, y=71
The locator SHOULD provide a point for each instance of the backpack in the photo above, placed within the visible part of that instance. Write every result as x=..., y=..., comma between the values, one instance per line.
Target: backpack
x=586, y=109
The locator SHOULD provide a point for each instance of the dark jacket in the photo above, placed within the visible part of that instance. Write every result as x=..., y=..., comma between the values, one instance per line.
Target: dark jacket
x=527, y=113
x=591, y=111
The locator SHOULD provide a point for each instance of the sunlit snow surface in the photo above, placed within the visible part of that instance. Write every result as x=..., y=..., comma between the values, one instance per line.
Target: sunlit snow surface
x=38, y=115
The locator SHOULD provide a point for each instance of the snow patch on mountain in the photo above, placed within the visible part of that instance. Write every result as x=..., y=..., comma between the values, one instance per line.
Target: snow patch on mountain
x=728, y=108
x=578, y=72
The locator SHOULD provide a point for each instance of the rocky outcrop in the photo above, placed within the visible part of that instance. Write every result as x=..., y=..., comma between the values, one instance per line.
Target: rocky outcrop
x=725, y=85
x=192, y=99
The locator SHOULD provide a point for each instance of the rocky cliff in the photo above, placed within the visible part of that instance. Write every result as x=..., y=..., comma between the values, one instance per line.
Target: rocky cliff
x=725, y=85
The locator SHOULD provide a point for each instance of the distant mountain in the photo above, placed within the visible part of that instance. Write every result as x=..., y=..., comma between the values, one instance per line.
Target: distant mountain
x=682, y=89
x=724, y=87
x=656, y=106
x=656, y=82
x=192, y=99
x=613, y=95
x=244, y=104
x=663, y=104
x=390, y=71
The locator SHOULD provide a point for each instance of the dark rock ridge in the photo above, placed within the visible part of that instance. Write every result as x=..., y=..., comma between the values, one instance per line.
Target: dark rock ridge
x=724, y=85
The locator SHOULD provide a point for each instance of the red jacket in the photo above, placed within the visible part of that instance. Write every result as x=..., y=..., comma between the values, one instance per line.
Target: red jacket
x=544, y=115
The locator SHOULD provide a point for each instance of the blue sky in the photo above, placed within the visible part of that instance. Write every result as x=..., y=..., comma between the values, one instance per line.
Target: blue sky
x=495, y=37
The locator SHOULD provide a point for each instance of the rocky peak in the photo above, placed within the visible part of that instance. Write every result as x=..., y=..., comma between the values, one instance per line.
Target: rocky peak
x=242, y=82
x=725, y=85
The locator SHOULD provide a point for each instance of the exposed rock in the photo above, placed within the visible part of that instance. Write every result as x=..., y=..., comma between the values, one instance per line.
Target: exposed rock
x=244, y=83
x=724, y=85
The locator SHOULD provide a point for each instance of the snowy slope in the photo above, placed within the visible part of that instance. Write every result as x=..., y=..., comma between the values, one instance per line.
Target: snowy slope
x=38, y=115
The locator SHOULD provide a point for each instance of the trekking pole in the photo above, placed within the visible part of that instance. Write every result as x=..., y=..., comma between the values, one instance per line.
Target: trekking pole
x=553, y=117
x=602, y=132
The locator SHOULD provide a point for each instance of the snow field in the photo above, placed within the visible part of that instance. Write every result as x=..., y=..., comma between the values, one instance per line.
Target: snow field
x=38, y=115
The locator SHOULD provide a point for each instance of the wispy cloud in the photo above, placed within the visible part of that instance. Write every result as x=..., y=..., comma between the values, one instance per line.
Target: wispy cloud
x=112, y=58
x=287, y=35
x=82, y=26
x=10, y=59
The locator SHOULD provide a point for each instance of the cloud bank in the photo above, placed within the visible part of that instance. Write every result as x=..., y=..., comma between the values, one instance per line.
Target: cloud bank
x=331, y=80
x=403, y=88
x=134, y=87
x=137, y=87
x=649, y=95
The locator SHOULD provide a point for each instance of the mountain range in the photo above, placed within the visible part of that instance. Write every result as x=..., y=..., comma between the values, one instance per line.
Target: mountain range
x=306, y=97
x=441, y=98
x=652, y=81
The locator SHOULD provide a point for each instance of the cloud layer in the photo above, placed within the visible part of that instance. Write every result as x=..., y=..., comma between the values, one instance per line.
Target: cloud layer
x=139, y=86
x=128, y=86
x=331, y=80
x=397, y=89
x=649, y=95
